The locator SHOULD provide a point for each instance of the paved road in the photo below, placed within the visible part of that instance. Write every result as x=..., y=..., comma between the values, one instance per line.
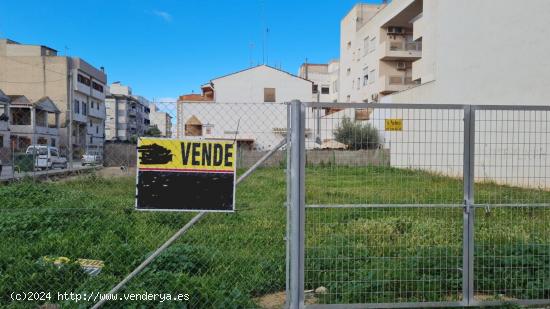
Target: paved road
x=7, y=171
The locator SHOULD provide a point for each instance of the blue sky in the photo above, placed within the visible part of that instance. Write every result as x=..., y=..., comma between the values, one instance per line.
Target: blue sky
x=166, y=48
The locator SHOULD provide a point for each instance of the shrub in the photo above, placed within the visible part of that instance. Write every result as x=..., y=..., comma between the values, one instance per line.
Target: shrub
x=356, y=135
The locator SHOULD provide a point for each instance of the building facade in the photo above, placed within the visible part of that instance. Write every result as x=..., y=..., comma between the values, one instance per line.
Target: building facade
x=162, y=120
x=76, y=87
x=324, y=78
x=250, y=121
x=454, y=52
x=127, y=116
x=423, y=51
x=33, y=123
x=4, y=120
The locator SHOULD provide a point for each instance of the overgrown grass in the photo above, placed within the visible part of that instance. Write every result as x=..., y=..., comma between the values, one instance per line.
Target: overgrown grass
x=226, y=260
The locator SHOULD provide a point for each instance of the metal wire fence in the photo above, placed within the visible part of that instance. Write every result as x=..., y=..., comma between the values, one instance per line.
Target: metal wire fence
x=82, y=235
x=391, y=192
x=401, y=231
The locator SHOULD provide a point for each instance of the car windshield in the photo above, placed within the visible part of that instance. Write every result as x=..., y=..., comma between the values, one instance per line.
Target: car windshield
x=38, y=151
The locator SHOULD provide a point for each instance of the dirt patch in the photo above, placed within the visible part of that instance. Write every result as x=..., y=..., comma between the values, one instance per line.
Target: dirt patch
x=277, y=300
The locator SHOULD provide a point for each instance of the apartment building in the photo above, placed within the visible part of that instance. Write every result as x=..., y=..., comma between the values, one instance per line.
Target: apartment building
x=424, y=51
x=162, y=120
x=76, y=88
x=454, y=52
x=377, y=50
x=325, y=80
x=33, y=122
x=4, y=120
x=127, y=116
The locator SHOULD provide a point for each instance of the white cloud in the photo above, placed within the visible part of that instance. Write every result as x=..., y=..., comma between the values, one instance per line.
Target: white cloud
x=164, y=15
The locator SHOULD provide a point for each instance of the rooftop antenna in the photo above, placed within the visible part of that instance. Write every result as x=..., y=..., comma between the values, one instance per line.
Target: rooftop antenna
x=267, y=45
x=264, y=33
x=251, y=49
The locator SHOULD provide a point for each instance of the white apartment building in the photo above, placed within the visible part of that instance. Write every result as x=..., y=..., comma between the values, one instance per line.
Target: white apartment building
x=454, y=52
x=162, y=120
x=4, y=120
x=324, y=78
x=389, y=50
x=76, y=87
x=127, y=116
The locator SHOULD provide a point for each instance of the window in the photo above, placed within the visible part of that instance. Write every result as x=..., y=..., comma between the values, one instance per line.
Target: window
x=76, y=107
x=372, y=44
x=91, y=124
x=269, y=95
x=348, y=98
x=348, y=71
x=353, y=84
x=92, y=104
x=325, y=90
x=53, y=153
x=365, y=75
x=366, y=46
x=372, y=76
x=315, y=88
x=52, y=142
x=84, y=108
x=83, y=80
x=349, y=44
x=97, y=130
x=97, y=87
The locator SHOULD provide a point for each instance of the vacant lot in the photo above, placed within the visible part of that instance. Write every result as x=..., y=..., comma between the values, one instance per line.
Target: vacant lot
x=228, y=260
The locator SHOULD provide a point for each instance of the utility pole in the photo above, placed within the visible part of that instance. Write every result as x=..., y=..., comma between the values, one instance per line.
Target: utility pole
x=70, y=107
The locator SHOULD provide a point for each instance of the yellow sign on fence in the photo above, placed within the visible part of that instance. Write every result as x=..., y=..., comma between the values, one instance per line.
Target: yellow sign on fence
x=186, y=175
x=179, y=155
x=393, y=125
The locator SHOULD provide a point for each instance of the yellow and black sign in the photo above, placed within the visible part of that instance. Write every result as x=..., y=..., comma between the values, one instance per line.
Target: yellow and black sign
x=186, y=175
x=393, y=125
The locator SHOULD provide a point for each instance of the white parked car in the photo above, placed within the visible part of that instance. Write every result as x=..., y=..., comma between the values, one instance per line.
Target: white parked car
x=91, y=159
x=47, y=157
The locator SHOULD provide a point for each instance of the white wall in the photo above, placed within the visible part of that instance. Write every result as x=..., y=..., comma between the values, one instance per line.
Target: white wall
x=498, y=57
x=248, y=86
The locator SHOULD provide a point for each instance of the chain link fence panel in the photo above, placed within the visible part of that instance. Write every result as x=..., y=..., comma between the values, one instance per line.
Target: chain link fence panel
x=81, y=234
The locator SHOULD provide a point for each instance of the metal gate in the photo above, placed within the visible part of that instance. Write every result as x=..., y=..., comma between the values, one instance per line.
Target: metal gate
x=382, y=205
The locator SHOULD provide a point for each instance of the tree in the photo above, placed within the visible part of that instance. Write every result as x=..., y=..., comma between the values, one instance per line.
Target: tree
x=356, y=135
x=153, y=131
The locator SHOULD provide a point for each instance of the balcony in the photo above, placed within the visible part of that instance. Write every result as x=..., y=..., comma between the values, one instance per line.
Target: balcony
x=97, y=113
x=98, y=94
x=400, y=50
x=132, y=112
x=391, y=84
x=46, y=130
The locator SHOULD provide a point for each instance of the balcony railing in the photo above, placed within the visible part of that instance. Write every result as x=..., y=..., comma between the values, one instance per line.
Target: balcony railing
x=401, y=50
x=394, y=83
